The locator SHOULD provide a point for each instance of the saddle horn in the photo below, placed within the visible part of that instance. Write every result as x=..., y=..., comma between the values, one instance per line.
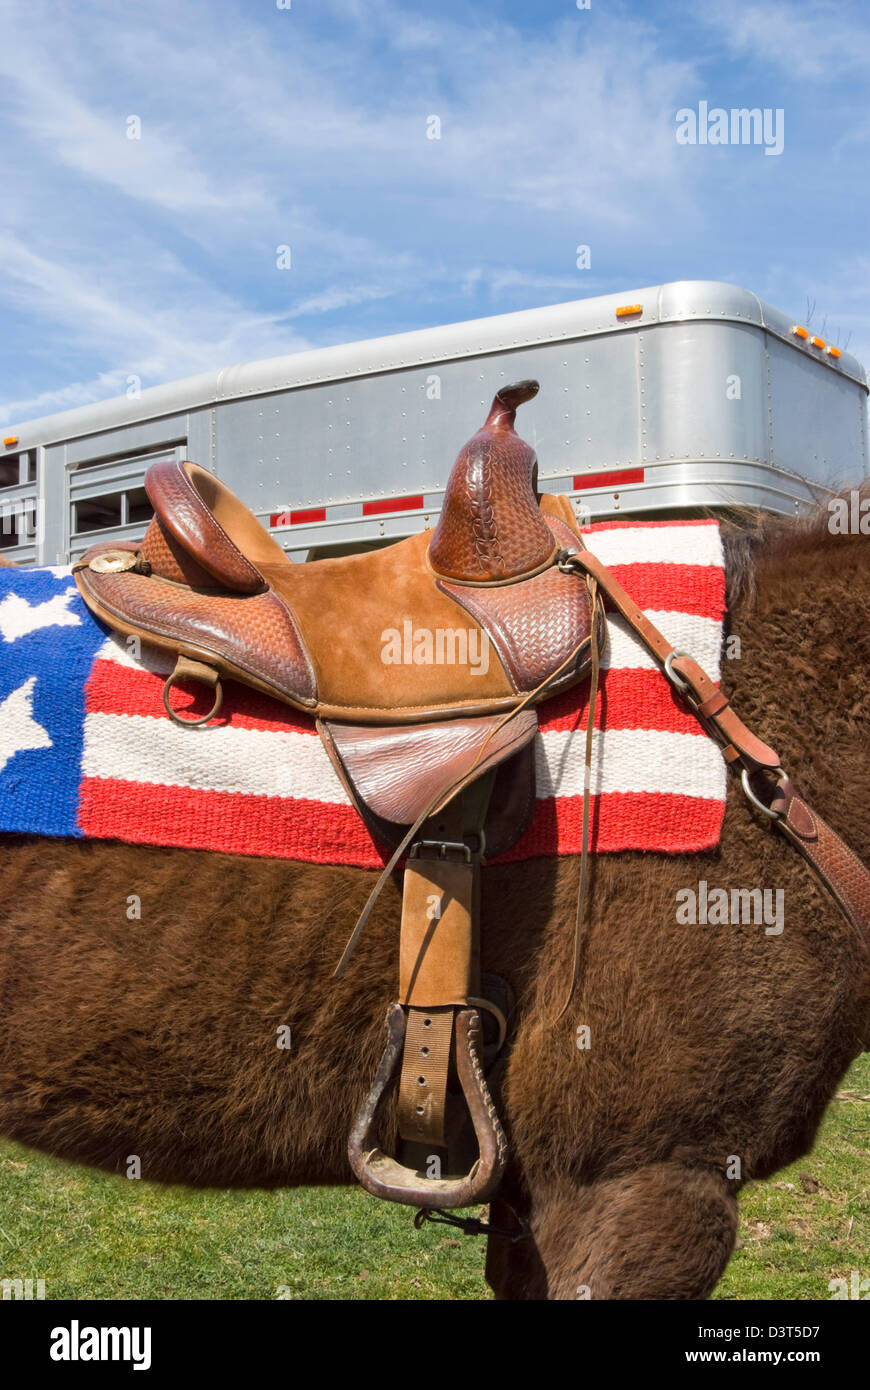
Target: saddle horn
x=491, y=529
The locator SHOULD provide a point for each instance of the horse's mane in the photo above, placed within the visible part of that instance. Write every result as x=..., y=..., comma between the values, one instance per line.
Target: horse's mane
x=754, y=540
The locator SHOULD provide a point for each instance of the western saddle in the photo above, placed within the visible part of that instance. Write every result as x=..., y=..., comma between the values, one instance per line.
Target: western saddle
x=435, y=754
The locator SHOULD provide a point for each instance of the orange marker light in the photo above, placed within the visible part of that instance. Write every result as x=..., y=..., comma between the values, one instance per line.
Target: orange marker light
x=833, y=352
x=10, y=440
x=818, y=342
x=800, y=332
x=625, y=309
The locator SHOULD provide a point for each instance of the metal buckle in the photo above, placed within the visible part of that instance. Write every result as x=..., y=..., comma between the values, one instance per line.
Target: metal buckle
x=565, y=562
x=673, y=676
x=746, y=784
x=442, y=847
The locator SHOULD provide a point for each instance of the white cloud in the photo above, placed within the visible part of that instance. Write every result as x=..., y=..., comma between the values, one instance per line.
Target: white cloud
x=809, y=40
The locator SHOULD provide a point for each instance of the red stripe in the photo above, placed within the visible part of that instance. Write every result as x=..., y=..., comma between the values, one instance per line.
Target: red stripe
x=618, y=478
x=277, y=827
x=630, y=699
x=627, y=700
x=116, y=689
x=695, y=589
x=393, y=504
x=647, y=525
x=321, y=833
x=623, y=820
x=298, y=518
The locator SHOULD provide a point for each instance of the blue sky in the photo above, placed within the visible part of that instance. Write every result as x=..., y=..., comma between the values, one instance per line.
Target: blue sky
x=306, y=127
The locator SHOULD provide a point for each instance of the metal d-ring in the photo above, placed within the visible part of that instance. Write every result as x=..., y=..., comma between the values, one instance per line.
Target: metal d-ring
x=746, y=784
x=180, y=719
x=673, y=676
x=474, y=1002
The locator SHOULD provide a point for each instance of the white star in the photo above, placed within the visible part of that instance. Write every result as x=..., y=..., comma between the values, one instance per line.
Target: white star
x=18, y=728
x=18, y=618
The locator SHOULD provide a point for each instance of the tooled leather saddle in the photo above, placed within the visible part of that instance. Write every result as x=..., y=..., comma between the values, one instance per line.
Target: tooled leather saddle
x=423, y=664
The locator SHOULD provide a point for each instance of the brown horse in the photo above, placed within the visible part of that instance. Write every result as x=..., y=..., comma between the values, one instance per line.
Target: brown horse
x=713, y=1049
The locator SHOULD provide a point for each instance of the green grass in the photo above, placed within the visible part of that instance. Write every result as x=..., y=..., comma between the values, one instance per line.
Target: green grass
x=810, y=1222
x=93, y=1236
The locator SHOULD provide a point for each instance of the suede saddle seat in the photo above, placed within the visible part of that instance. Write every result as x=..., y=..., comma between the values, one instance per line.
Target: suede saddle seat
x=468, y=620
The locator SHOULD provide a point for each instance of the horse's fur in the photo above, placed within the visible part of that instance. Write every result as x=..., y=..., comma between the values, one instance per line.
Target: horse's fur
x=711, y=1047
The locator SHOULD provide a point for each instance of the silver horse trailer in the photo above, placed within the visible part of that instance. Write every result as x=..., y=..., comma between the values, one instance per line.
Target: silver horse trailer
x=658, y=400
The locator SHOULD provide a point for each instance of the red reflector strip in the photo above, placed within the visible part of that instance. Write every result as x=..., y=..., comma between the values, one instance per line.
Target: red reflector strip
x=617, y=479
x=392, y=504
x=298, y=518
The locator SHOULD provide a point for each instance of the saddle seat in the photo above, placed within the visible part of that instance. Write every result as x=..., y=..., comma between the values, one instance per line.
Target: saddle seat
x=466, y=620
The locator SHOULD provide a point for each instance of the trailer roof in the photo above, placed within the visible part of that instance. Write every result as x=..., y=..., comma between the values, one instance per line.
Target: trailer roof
x=678, y=301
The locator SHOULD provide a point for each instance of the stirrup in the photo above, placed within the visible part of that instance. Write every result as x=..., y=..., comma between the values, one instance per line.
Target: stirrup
x=386, y=1177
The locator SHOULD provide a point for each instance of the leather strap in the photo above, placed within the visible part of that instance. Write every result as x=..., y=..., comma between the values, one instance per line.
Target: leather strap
x=587, y=798
x=701, y=694
x=842, y=871
x=423, y=1081
x=436, y=946
x=845, y=877
x=439, y=957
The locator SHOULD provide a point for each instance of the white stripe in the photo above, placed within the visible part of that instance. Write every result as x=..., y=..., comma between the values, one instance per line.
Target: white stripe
x=153, y=659
x=254, y=762
x=630, y=760
x=700, y=637
x=56, y=571
x=657, y=545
